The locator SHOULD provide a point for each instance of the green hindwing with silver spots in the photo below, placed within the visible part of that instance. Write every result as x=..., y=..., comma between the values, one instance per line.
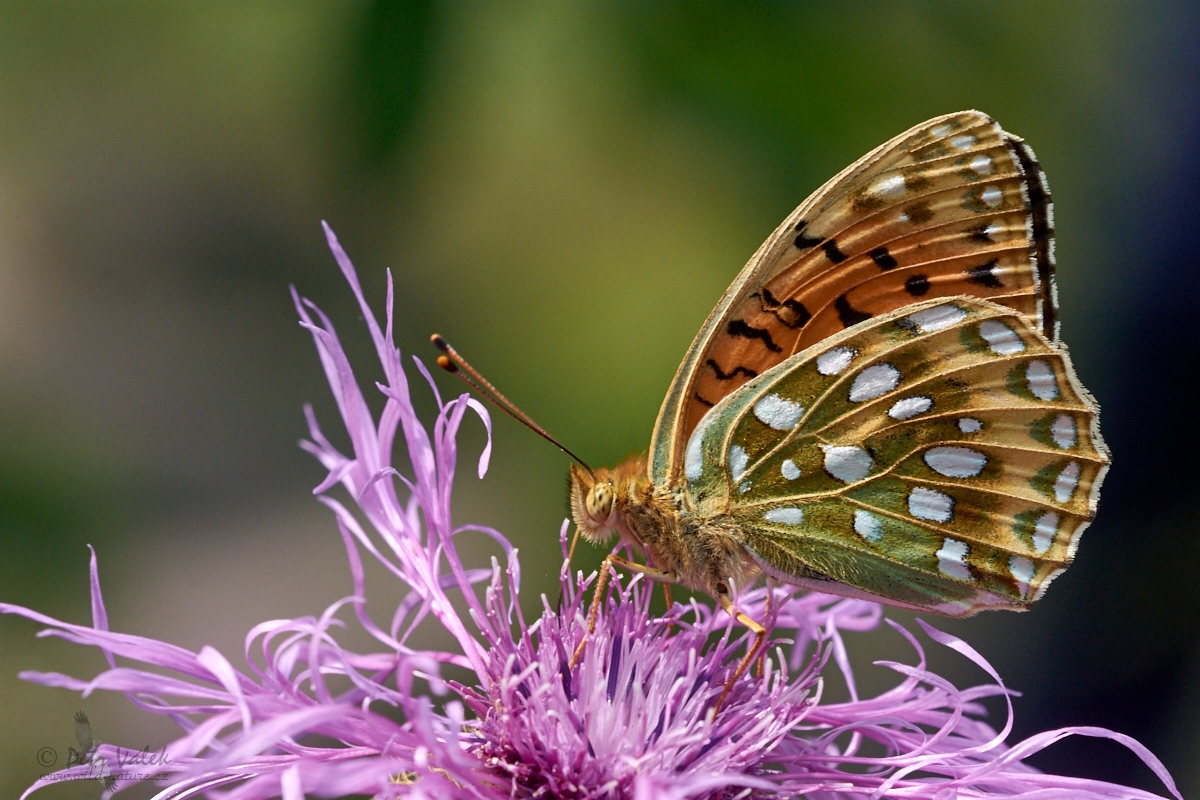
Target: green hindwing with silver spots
x=941, y=457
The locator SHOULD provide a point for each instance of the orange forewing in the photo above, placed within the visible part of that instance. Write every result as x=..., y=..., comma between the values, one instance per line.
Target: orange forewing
x=955, y=206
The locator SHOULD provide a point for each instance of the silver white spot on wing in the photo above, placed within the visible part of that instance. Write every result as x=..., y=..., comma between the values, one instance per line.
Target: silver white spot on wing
x=955, y=462
x=778, y=413
x=1068, y=479
x=903, y=216
x=874, y=381
x=738, y=461
x=1063, y=432
x=790, y=470
x=693, y=454
x=1041, y=380
x=930, y=504
x=970, y=425
x=1001, y=339
x=1022, y=572
x=982, y=164
x=867, y=525
x=931, y=320
x=1044, y=531
x=743, y=487
x=835, y=361
x=909, y=407
x=941, y=130
x=952, y=559
x=891, y=186
x=963, y=142
x=991, y=196
x=785, y=516
x=993, y=229
x=847, y=463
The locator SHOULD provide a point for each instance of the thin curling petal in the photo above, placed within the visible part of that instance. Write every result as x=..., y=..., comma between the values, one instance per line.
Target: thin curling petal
x=634, y=719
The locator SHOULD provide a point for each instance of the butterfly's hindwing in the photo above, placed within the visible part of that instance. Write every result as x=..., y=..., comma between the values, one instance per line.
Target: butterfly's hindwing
x=953, y=207
x=942, y=456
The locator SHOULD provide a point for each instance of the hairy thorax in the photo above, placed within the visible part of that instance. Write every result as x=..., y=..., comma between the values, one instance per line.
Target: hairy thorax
x=701, y=552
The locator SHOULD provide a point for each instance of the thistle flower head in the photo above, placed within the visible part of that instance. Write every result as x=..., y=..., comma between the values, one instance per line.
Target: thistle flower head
x=503, y=714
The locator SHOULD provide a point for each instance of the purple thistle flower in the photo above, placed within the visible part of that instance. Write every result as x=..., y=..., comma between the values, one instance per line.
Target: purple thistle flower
x=634, y=719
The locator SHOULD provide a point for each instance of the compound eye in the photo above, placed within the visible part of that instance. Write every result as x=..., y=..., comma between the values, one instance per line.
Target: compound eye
x=600, y=501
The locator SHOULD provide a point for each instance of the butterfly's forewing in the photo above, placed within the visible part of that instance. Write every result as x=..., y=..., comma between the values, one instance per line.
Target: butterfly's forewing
x=941, y=457
x=952, y=207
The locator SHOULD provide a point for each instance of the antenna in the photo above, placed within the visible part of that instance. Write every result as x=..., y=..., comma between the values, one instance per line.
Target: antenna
x=452, y=361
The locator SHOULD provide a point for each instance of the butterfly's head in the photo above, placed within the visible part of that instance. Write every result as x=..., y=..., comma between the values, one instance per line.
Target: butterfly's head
x=593, y=503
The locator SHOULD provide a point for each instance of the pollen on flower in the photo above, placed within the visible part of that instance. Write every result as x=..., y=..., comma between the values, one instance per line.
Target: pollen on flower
x=634, y=718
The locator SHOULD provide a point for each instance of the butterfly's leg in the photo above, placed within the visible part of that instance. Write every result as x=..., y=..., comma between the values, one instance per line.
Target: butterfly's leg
x=760, y=635
x=614, y=560
x=574, y=541
x=667, y=595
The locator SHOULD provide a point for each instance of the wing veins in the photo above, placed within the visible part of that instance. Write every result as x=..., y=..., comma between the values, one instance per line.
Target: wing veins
x=792, y=438
x=996, y=298
x=812, y=254
x=1091, y=459
x=841, y=491
x=853, y=545
x=900, y=270
x=1001, y=145
x=922, y=382
x=938, y=530
x=981, y=490
x=955, y=534
x=1003, y=249
x=841, y=381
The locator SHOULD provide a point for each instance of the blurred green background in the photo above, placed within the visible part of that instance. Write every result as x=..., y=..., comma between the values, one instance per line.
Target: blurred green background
x=564, y=190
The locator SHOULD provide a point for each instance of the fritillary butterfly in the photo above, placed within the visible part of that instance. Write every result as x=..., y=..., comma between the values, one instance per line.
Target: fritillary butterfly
x=880, y=405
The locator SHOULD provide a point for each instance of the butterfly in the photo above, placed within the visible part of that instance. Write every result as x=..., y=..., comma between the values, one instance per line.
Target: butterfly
x=880, y=405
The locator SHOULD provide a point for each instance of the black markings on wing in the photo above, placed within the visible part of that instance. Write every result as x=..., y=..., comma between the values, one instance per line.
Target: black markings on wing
x=917, y=285
x=738, y=370
x=703, y=402
x=832, y=252
x=883, y=259
x=1043, y=234
x=790, y=312
x=803, y=240
x=738, y=327
x=847, y=313
x=980, y=233
x=918, y=213
x=985, y=274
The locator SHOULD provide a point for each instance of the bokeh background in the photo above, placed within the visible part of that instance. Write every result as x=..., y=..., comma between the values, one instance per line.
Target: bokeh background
x=564, y=190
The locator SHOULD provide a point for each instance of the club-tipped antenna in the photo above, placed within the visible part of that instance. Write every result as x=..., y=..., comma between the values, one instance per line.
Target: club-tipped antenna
x=455, y=364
